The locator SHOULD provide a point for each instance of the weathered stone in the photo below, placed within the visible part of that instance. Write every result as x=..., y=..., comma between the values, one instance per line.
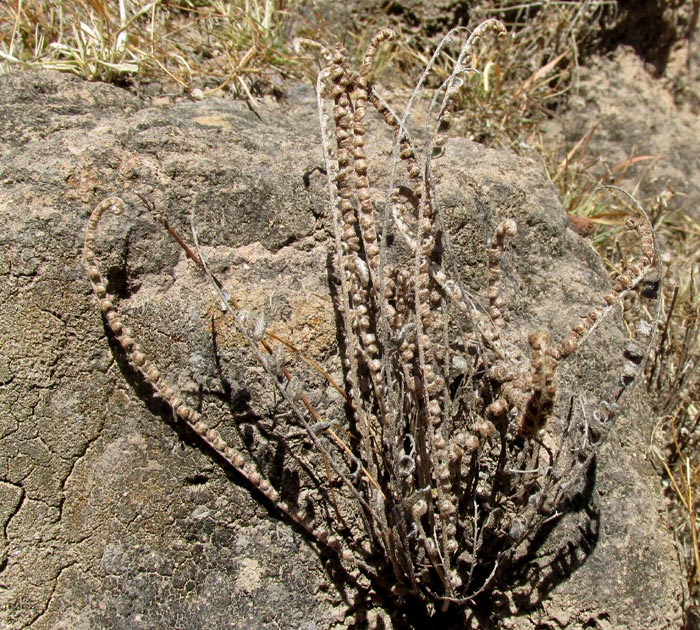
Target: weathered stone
x=112, y=519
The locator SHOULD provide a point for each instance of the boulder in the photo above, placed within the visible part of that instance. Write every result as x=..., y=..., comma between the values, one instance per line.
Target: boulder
x=115, y=516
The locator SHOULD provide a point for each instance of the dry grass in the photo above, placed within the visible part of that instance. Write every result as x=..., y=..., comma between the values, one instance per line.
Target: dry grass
x=527, y=78
x=517, y=84
x=674, y=385
x=581, y=179
x=673, y=372
x=209, y=45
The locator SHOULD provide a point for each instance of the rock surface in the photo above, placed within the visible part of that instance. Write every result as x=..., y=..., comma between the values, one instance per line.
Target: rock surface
x=113, y=518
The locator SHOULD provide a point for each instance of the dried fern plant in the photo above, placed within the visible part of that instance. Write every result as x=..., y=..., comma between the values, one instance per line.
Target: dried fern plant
x=448, y=462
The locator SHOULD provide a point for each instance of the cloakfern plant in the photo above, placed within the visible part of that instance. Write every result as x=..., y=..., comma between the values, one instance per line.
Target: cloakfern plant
x=448, y=460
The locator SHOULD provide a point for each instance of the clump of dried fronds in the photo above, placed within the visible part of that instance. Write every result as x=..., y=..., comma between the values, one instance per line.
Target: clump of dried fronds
x=210, y=46
x=452, y=453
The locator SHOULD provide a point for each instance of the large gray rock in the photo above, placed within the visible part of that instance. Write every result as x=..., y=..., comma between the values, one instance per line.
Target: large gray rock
x=112, y=517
